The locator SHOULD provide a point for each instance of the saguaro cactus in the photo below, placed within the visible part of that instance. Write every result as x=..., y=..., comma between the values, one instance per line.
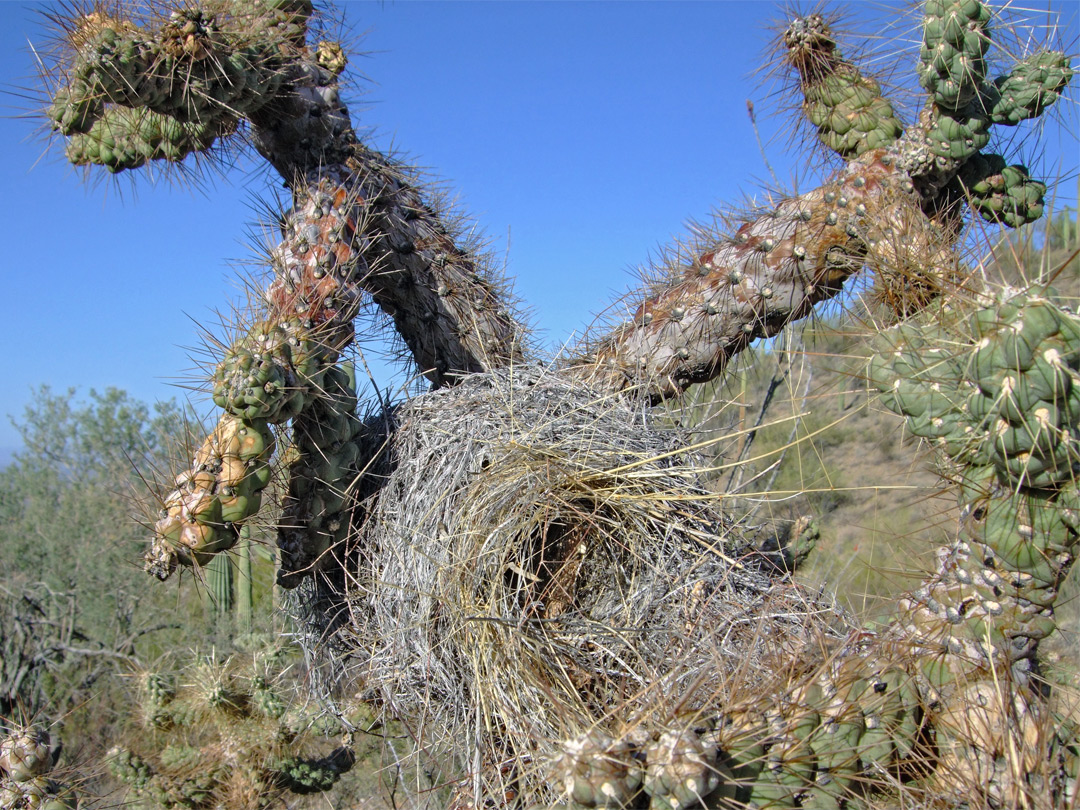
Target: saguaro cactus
x=527, y=567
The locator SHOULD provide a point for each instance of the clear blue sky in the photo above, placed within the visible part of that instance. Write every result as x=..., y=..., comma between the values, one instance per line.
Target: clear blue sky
x=580, y=136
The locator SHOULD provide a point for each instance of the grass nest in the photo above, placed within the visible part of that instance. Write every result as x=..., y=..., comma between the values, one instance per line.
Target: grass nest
x=531, y=560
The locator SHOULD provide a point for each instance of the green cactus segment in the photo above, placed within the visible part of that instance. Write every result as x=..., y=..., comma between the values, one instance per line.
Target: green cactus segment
x=958, y=135
x=952, y=68
x=847, y=108
x=813, y=747
x=265, y=699
x=1033, y=85
x=133, y=94
x=219, y=582
x=322, y=466
x=816, y=750
x=999, y=193
x=999, y=393
x=123, y=138
x=269, y=372
x=156, y=691
x=222, y=489
x=952, y=59
x=850, y=114
x=304, y=776
x=1010, y=402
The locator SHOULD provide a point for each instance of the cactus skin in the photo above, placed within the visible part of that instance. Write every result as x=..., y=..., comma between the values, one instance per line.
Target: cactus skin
x=771, y=272
x=219, y=581
x=322, y=467
x=847, y=108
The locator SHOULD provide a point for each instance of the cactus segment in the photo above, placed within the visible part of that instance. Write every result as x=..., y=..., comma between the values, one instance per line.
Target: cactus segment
x=305, y=776
x=952, y=58
x=958, y=135
x=773, y=270
x=24, y=754
x=267, y=373
x=133, y=94
x=219, y=581
x=848, y=110
x=680, y=770
x=223, y=488
x=999, y=393
x=598, y=771
x=156, y=691
x=322, y=467
x=1033, y=85
x=1001, y=194
x=123, y=138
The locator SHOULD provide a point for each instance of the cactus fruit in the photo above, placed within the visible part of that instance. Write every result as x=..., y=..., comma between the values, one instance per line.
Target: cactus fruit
x=847, y=108
x=222, y=489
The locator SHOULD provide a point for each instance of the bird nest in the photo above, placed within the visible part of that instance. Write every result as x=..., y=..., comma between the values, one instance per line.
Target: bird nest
x=530, y=560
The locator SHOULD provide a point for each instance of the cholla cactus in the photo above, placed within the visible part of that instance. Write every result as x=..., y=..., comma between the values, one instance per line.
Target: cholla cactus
x=221, y=734
x=26, y=760
x=530, y=570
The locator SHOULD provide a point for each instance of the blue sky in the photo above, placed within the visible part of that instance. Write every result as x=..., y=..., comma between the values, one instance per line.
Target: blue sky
x=580, y=137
